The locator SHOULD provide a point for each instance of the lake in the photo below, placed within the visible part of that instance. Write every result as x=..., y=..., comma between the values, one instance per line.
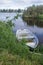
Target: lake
x=20, y=24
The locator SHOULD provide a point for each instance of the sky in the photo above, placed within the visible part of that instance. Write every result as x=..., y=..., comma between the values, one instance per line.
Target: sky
x=15, y=4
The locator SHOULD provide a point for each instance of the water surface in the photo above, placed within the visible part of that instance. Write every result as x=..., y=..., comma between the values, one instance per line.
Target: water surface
x=20, y=24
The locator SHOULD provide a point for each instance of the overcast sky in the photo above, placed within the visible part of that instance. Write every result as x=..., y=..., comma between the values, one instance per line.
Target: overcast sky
x=15, y=4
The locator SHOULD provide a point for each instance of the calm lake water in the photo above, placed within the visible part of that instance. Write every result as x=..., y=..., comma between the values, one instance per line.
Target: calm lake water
x=20, y=24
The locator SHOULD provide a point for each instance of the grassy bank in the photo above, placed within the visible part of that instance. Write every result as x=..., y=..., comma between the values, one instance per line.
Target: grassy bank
x=13, y=52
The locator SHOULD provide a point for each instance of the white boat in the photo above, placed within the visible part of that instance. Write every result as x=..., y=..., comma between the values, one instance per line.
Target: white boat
x=32, y=40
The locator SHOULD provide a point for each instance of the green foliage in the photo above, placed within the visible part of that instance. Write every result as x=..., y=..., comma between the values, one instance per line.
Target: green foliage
x=16, y=17
x=34, y=11
x=33, y=15
x=9, y=41
x=9, y=23
x=9, y=59
x=6, y=35
x=11, y=46
x=41, y=49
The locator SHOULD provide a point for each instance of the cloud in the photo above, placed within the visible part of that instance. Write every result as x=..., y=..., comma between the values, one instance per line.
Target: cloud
x=33, y=1
x=5, y=1
x=18, y=3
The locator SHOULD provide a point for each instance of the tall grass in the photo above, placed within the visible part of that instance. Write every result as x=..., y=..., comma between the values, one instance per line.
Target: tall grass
x=15, y=53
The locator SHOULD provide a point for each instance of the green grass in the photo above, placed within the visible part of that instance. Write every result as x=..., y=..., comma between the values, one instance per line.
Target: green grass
x=7, y=58
x=13, y=52
x=41, y=16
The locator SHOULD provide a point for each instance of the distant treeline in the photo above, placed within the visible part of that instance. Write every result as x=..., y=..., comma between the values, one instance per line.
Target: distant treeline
x=11, y=10
x=33, y=11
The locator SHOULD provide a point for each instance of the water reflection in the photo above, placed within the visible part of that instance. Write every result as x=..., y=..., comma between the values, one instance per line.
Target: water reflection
x=33, y=21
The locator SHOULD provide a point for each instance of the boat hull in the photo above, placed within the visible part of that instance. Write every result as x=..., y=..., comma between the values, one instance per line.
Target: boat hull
x=27, y=34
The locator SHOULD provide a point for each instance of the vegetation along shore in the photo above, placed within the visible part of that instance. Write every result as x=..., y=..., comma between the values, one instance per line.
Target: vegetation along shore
x=13, y=52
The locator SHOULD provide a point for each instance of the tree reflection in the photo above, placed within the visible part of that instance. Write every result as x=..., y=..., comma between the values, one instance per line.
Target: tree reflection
x=33, y=21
